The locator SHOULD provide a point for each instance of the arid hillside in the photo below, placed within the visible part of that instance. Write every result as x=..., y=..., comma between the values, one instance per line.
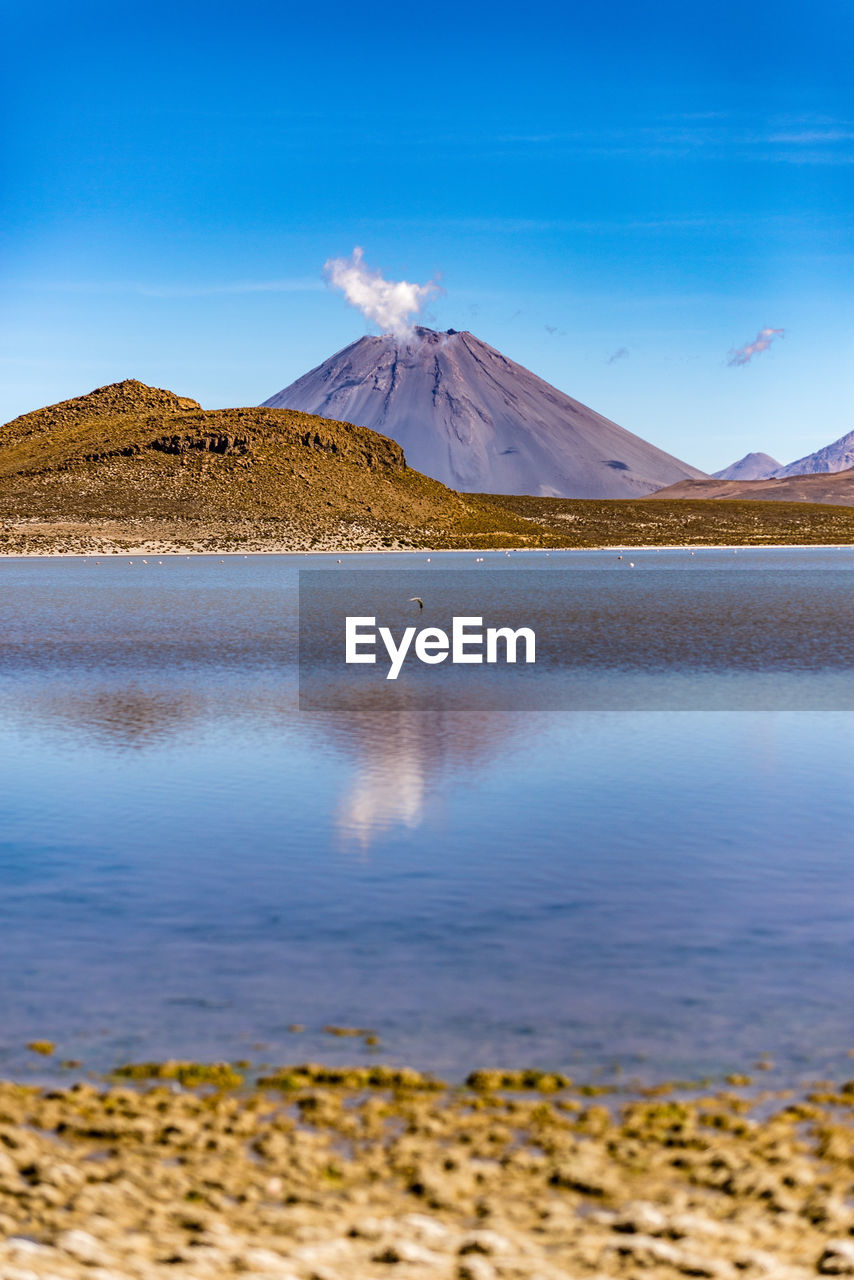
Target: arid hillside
x=683, y=522
x=130, y=463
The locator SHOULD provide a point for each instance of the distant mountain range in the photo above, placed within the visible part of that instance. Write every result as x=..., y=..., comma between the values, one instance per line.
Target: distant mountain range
x=838, y=456
x=833, y=458
x=468, y=416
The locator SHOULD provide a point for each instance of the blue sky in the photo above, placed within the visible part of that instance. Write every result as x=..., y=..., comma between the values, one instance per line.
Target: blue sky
x=662, y=180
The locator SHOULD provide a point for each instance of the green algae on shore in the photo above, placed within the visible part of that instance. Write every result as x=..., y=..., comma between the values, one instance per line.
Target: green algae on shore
x=544, y=1081
x=373, y=1077
x=189, y=1074
x=353, y=1032
x=43, y=1047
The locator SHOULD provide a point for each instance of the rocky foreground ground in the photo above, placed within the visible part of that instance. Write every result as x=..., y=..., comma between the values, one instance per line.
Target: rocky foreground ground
x=330, y=1175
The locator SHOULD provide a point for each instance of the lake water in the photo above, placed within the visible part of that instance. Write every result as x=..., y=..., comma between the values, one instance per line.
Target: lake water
x=190, y=864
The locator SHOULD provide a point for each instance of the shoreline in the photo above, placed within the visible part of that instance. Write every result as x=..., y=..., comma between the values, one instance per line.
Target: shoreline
x=187, y=553
x=317, y=1174
x=494, y=524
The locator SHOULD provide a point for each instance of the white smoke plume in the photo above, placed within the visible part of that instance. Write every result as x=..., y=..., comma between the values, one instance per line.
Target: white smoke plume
x=391, y=304
x=762, y=341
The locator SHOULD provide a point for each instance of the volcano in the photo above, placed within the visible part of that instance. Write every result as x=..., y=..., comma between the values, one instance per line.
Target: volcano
x=476, y=421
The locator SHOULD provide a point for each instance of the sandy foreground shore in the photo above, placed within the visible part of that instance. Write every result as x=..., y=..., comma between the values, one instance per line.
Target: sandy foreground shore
x=319, y=1174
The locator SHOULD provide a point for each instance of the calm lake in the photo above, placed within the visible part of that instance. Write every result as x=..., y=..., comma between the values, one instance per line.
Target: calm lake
x=646, y=882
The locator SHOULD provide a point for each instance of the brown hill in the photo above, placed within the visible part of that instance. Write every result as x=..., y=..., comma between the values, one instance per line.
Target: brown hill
x=641, y=522
x=833, y=489
x=135, y=462
x=134, y=467
x=113, y=401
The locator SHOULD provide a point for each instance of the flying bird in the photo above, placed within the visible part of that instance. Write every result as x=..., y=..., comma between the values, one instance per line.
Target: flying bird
x=417, y=600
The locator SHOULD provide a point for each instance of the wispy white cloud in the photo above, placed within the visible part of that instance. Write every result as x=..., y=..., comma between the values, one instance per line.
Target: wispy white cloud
x=762, y=341
x=148, y=290
x=714, y=136
x=239, y=286
x=497, y=225
x=809, y=137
